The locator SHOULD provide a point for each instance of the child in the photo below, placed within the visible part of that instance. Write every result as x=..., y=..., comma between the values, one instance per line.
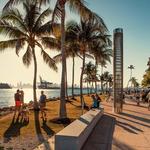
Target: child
x=25, y=112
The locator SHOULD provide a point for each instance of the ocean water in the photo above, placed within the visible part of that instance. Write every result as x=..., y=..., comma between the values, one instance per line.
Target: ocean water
x=7, y=95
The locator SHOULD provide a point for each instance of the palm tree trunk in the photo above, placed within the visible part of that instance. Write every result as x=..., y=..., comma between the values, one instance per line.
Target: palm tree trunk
x=35, y=79
x=62, y=112
x=66, y=86
x=102, y=88
x=81, y=83
x=95, y=76
x=73, y=64
x=88, y=88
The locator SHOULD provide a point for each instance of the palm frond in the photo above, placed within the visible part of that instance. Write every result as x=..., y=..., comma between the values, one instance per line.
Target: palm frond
x=47, y=59
x=56, y=12
x=14, y=16
x=8, y=44
x=49, y=28
x=10, y=3
x=19, y=45
x=27, y=57
x=32, y=12
x=89, y=56
x=10, y=30
x=58, y=58
x=50, y=42
x=41, y=19
x=79, y=7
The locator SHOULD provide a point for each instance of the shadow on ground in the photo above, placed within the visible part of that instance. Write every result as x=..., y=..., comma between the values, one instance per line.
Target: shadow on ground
x=45, y=127
x=14, y=128
x=136, y=117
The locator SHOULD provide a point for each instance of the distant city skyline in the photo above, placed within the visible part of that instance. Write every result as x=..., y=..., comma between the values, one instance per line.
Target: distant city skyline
x=131, y=15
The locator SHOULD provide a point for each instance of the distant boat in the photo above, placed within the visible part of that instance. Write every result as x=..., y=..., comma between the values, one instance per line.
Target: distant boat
x=47, y=85
x=5, y=86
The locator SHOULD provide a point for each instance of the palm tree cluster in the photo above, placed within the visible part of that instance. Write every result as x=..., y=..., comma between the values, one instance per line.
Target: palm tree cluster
x=35, y=28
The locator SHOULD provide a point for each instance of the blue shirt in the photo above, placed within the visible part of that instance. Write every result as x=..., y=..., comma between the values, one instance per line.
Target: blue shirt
x=43, y=98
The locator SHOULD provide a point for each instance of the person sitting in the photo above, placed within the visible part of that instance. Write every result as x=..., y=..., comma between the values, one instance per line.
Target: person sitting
x=98, y=100
x=95, y=104
x=25, y=112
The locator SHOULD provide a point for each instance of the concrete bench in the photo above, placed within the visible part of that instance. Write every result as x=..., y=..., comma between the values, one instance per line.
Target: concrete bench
x=74, y=135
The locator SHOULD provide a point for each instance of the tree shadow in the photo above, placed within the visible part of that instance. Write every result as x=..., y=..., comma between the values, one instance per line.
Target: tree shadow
x=136, y=117
x=14, y=128
x=139, y=123
x=120, y=145
x=135, y=105
x=136, y=112
x=48, y=131
x=38, y=130
x=128, y=127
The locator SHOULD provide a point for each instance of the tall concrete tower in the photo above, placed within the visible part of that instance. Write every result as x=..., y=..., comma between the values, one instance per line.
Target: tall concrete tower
x=118, y=70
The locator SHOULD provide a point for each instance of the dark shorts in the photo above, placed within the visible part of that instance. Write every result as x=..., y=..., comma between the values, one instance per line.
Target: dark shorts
x=42, y=105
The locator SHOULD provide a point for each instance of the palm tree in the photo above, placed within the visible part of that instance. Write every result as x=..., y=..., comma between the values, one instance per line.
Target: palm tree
x=85, y=32
x=88, y=71
x=101, y=51
x=71, y=48
x=79, y=7
x=106, y=79
x=131, y=67
x=11, y=3
x=134, y=82
x=148, y=64
x=27, y=31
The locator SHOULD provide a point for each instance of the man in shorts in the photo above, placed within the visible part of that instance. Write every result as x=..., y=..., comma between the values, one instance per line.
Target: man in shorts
x=17, y=98
x=42, y=103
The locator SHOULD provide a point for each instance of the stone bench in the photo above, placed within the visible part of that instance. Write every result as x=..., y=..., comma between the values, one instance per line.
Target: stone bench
x=74, y=135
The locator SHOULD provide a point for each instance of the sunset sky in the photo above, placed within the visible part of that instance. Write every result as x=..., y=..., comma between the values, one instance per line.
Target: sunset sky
x=131, y=15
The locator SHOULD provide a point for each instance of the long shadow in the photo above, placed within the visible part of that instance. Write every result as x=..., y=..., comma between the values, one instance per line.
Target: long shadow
x=136, y=112
x=136, y=117
x=136, y=105
x=102, y=135
x=14, y=128
x=128, y=127
x=39, y=132
x=121, y=146
x=145, y=125
x=45, y=127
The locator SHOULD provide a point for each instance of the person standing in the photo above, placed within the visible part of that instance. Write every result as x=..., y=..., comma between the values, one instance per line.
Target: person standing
x=22, y=96
x=17, y=98
x=42, y=103
x=148, y=97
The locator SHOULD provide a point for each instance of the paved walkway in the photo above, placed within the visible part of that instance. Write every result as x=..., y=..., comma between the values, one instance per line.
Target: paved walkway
x=127, y=131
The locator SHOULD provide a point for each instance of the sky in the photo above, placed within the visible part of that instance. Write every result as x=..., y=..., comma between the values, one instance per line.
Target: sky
x=131, y=15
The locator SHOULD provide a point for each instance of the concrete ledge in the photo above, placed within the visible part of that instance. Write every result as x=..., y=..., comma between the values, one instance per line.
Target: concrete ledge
x=74, y=135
